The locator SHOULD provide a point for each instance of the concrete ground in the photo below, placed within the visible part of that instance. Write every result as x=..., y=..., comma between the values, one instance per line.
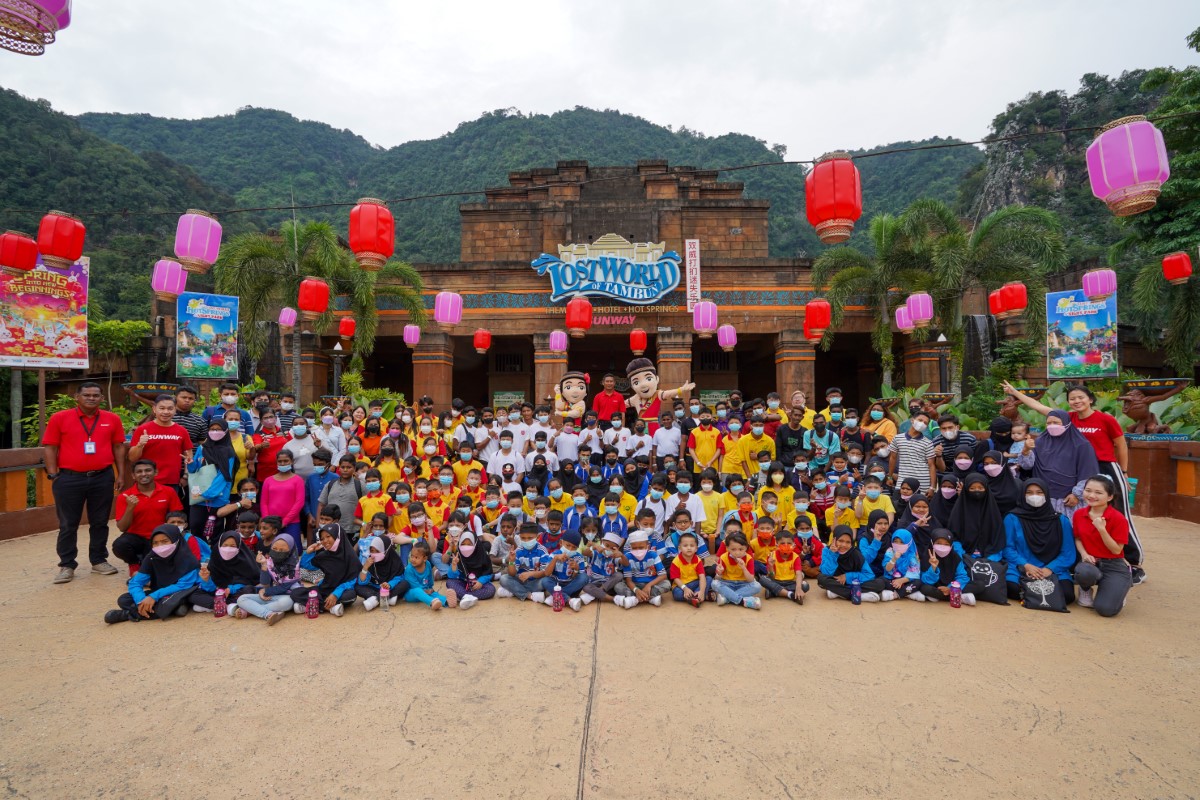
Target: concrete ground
x=512, y=700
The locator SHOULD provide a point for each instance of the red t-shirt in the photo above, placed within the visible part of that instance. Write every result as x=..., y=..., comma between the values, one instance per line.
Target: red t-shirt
x=1085, y=531
x=150, y=511
x=1101, y=430
x=605, y=405
x=166, y=447
x=71, y=430
x=266, y=458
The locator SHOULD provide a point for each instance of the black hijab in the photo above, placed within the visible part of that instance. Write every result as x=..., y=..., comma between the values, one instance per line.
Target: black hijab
x=852, y=560
x=633, y=481
x=219, y=452
x=242, y=568
x=1001, y=434
x=976, y=522
x=568, y=477
x=166, y=571
x=948, y=565
x=1042, y=526
x=900, y=503
x=389, y=566
x=939, y=507
x=479, y=563
x=1005, y=488
x=962, y=450
x=596, y=491
x=338, y=565
x=538, y=475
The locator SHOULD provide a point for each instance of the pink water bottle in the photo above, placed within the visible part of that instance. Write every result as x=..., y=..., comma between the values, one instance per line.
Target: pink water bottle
x=220, y=607
x=385, y=594
x=210, y=527
x=558, y=600
x=312, y=609
x=955, y=594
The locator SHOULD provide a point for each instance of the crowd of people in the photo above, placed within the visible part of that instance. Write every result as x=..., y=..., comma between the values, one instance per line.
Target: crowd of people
x=258, y=508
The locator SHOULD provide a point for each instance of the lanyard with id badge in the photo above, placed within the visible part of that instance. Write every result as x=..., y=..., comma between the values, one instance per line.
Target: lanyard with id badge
x=89, y=447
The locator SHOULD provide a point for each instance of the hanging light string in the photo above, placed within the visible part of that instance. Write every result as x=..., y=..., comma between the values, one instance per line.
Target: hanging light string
x=471, y=192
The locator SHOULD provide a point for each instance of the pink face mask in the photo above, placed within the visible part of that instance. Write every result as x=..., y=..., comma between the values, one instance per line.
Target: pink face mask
x=948, y=492
x=164, y=550
x=333, y=548
x=466, y=549
x=993, y=469
x=228, y=552
x=941, y=550
x=376, y=557
x=216, y=436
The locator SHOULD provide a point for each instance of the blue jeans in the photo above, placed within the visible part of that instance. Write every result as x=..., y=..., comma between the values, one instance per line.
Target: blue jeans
x=677, y=592
x=439, y=564
x=521, y=589
x=255, y=605
x=569, y=589
x=736, y=591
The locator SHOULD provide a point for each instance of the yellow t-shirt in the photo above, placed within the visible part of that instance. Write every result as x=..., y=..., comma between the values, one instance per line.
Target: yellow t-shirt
x=437, y=514
x=562, y=503
x=732, y=462
x=751, y=447
x=714, y=509
x=706, y=446
x=835, y=516
x=463, y=468
x=786, y=570
x=812, y=519
x=883, y=503
x=761, y=551
x=734, y=570
x=628, y=506
x=389, y=471
x=688, y=571
x=784, y=495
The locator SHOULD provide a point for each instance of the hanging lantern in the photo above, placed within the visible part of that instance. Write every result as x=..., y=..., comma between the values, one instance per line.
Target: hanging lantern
x=920, y=309
x=1127, y=164
x=1177, y=268
x=313, y=298
x=1099, y=285
x=482, y=340
x=904, y=320
x=579, y=316
x=558, y=341
x=197, y=241
x=704, y=319
x=60, y=239
x=18, y=253
x=412, y=335
x=27, y=26
x=727, y=338
x=169, y=279
x=346, y=327
x=372, y=234
x=447, y=309
x=817, y=314
x=995, y=304
x=812, y=337
x=637, y=341
x=833, y=197
x=1015, y=299
x=287, y=319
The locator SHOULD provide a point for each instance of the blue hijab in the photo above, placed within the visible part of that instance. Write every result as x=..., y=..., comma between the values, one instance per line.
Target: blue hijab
x=910, y=556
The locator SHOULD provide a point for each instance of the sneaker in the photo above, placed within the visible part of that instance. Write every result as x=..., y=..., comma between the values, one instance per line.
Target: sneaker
x=201, y=609
x=752, y=602
x=371, y=603
x=1139, y=575
x=393, y=600
x=631, y=601
x=65, y=575
x=575, y=603
x=116, y=615
x=502, y=592
x=968, y=599
x=870, y=597
x=887, y=596
x=695, y=601
x=274, y=617
x=831, y=595
x=804, y=586
x=549, y=601
x=338, y=610
x=538, y=597
x=619, y=600
x=1087, y=598
x=467, y=601
x=297, y=608
x=104, y=568
x=436, y=605
x=721, y=600
x=240, y=613
x=798, y=597
x=920, y=598
x=656, y=600
x=586, y=598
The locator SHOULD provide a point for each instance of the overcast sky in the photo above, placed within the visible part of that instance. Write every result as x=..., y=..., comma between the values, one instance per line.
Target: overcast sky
x=813, y=76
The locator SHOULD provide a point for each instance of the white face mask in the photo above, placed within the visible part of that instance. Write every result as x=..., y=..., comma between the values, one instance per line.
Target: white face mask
x=1036, y=500
x=918, y=425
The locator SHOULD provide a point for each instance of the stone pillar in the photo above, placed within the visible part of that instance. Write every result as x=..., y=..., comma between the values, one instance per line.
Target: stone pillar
x=314, y=369
x=433, y=368
x=923, y=364
x=548, y=367
x=674, y=360
x=795, y=366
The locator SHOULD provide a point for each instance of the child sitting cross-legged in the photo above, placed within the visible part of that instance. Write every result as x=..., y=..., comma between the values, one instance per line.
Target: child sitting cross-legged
x=784, y=569
x=688, y=581
x=735, y=574
x=645, y=578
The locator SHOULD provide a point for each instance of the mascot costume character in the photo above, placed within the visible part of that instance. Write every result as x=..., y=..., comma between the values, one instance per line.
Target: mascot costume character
x=570, y=397
x=646, y=398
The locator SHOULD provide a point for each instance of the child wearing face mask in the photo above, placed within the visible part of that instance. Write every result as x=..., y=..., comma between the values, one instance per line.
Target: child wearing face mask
x=470, y=575
x=871, y=497
x=163, y=584
x=945, y=566
x=605, y=569
x=842, y=511
x=280, y=574
x=436, y=506
x=843, y=563
x=419, y=528
x=373, y=500
x=777, y=484
x=527, y=565
x=381, y=566
x=743, y=513
x=645, y=579
x=568, y=570
x=902, y=568
x=283, y=495
x=734, y=582
x=687, y=573
x=377, y=528
x=809, y=548
x=782, y=576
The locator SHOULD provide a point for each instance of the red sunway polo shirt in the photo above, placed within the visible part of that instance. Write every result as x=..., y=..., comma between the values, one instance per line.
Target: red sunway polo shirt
x=71, y=430
x=150, y=511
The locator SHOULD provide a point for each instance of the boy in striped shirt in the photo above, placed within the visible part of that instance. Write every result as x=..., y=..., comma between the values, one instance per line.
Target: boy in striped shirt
x=645, y=577
x=528, y=563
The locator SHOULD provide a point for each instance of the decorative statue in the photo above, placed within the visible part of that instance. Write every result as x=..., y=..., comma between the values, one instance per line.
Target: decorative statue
x=570, y=395
x=1009, y=404
x=646, y=398
x=1137, y=399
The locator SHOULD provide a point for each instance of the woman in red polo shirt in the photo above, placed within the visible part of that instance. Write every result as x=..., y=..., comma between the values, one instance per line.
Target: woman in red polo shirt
x=1101, y=535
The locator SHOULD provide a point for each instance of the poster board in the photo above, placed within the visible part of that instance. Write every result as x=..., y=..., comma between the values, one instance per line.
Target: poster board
x=206, y=336
x=44, y=317
x=1081, y=336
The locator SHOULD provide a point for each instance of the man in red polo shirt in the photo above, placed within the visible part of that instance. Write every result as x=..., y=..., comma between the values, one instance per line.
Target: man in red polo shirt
x=608, y=402
x=83, y=446
x=140, y=509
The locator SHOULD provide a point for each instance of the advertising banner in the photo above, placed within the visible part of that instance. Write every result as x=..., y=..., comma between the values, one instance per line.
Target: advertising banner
x=691, y=250
x=44, y=317
x=1081, y=336
x=206, y=339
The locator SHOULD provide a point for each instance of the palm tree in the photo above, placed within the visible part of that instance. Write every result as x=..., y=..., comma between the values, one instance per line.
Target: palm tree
x=265, y=273
x=1167, y=316
x=1014, y=243
x=850, y=273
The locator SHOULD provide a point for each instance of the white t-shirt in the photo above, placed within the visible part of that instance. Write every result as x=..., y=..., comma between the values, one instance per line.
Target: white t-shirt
x=618, y=439
x=496, y=465
x=666, y=441
x=332, y=439
x=566, y=445
x=592, y=437
x=521, y=435
x=490, y=446
x=694, y=505
x=644, y=440
x=551, y=460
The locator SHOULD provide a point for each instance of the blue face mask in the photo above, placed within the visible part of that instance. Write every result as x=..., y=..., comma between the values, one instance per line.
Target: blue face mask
x=819, y=484
x=403, y=498
x=354, y=448
x=234, y=424
x=531, y=496
x=285, y=467
x=836, y=416
x=514, y=417
x=736, y=489
x=445, y=480
x=873, y=494
x=721, y=413
x=376, y=414
x=372, y=486
x=556, y=493
x=579, y=500
x=318, y=470
x=527, y=544
x=299, y=430
x=879, y=475
x=679, y=413
x=656, y=494
x=683, y=488
x=611, y=510
x=596, y=478
x=772, y=404
x=492, y=504
x=876, y=414
x=251, y=496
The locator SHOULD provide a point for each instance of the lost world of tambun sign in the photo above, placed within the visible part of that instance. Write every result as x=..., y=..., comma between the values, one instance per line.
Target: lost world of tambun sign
x=639, y=274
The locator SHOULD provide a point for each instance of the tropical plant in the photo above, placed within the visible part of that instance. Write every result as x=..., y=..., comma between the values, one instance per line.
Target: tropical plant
x=266, y=271
x=114, y=338
x=32, y=430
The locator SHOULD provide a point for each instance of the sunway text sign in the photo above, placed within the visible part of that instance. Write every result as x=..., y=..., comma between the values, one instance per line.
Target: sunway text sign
x=639, y=274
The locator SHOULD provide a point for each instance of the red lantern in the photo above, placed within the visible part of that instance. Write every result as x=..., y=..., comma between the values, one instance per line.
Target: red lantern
x=637, y=341
x=995, y=304
x=579, y=317
x=18, y=253
x=483, y=340
x=346, y=327
x=313, y=300
x=816, y=317
x=833, y=197
x=1177, y=268
x=60, y=239
x=372, y=234
x=1015, y=299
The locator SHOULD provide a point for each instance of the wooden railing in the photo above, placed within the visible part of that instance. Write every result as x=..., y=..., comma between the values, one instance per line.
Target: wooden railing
x=18, y=516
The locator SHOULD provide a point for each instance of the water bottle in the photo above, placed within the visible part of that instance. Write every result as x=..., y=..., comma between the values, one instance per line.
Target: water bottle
x=385, y=593
x=856, y=592
x=955, y=594
x=220, y=607
x=210, y=527
x=312, y=609
x=558, y=599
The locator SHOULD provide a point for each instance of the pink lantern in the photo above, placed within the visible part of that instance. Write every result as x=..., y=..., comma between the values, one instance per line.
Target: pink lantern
x=727, y=338
x=704, y=319
x=920, y=309
x=447, y=309
x=197, y=241
x=904, y=319
x=169, y=279
x=1127, y=165
x=1099, y=284
x=287, y=318
x=558, y=341
x=412, y=335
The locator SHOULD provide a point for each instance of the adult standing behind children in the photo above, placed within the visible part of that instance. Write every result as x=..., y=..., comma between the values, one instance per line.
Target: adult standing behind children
x=164, y=442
